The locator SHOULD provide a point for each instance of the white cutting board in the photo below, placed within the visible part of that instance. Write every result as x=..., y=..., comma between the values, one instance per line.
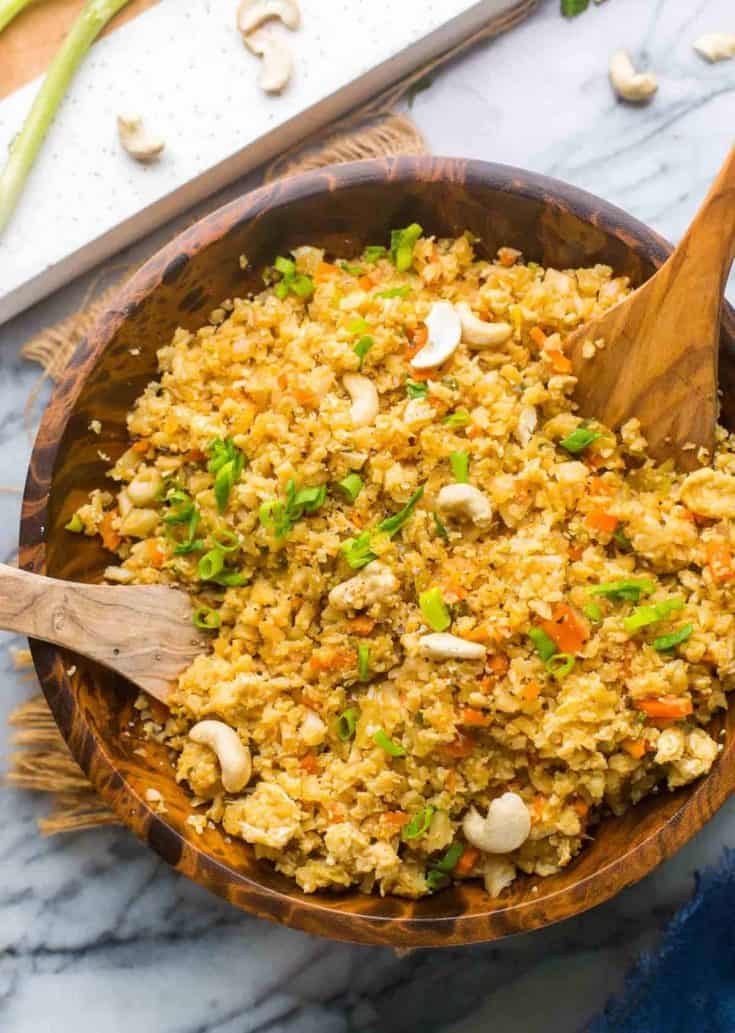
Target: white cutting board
x=183, y=66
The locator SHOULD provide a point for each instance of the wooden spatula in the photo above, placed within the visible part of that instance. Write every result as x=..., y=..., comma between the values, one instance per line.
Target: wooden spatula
x=144, y=632
x=659, y=361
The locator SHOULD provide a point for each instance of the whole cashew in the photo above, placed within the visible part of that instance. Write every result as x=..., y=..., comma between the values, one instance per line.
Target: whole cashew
x=505, y=828
x=478, y=334
x=716, y=46
x=136, y=139
x=465, y=502
x=364, y=397
x=235, y=762
x=445, y=331
x=372, y=585
x=139, y=523
x=276, y=61
x=145, y=486
x=709, y=493
x=627, y=83
x=442, y=646
x=252, y=13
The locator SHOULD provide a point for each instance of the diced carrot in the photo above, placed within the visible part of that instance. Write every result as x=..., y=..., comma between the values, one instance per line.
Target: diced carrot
x=282, y=381
x=140, y=446
x=719, y=561
x=324, y=271
x=531, y=692
x=425, y=374
x=599, y=486
x=306, y=397
x=361, y=625
x=110, y=538
x=395, y=818
x=357, y=519
x=366, y=283
x=419, y=336
x=499, y=664
x=666, y=707
x=331, y=660
x=567, y=629
x=159, y=711
x=594, y=460
x=576, y=552
x=467, y=862
x=474, y=718
x=473, y=431
x=559, y=361
x=310, y=763
x=581, y=808
x=462, y=746
x=451, y=780
x=634, y=747
x=599, y=520
x=537, y=336
x=479, y=634
x=157, y=555
x=537, y=807
x=454, y=590
x=508, y=256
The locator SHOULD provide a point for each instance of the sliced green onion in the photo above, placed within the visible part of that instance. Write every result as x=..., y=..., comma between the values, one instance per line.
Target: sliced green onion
x=664, y=642
x=402, y=243
x=592, y=612
x=416, y=388
x=357, y=325
x=460, y=464
x=180, y=506
x=571, y=8
x=419, y=824
x=211, y=564
x=630, y=589
x=440, y=528
x=363, y=661
x=281, y=516
x=435, y=609
x=230, y=579
x=457, y=419
x=206, y=618
x=645, y=615
x=347, y=723
x=226, y=462
x=358, y=551
x=392, y=525
x=560, y=665
x=395, y=292
x=284, y=266
x=298, y=284
x=302, y=286
x=75, y=525
x=309, y=500
x=374, y=252
x=227, y=540
x=351, y=485
x=190, y=543
x=353, y=270
x=362, y=347
x=393, y=749
x=622, y=540
x=439, y=872
x=542, y=643
x=579, y=439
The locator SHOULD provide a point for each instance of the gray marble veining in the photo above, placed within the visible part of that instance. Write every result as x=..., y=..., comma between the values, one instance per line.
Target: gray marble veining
x=96, y=934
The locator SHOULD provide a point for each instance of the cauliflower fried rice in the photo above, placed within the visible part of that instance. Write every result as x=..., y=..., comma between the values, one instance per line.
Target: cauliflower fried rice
x=452, y=622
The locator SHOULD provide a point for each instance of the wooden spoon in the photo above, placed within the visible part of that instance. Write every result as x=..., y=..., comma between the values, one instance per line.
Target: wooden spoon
x=144, y=632
x=659, y=361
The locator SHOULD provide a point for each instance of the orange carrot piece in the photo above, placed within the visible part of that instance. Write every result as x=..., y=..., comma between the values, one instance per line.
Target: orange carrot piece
x=110, y=538
x=474, y=718
x=666, y=707
x=599, y=520
x=634, y=747
x=537, y=336
x=419, y=336
x=309, y=763
x=499, y=664
x=462, y=746
x=719, y=561
x=599, y=486
x=531, y=692
x=361, y=625
x=467, y=862
x=559, y=361
x=324, y=271
x=156, y=553
x=581, y=808
x=140, y=446
x=568, y=630
x=306, y=397
x=395, y=818
x=366, y=283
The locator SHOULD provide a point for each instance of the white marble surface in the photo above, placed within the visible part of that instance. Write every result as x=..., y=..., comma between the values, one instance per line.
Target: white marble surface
x=96, y=935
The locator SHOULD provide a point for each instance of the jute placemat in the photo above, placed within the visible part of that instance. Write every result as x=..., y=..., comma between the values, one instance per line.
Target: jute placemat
x=42, y=761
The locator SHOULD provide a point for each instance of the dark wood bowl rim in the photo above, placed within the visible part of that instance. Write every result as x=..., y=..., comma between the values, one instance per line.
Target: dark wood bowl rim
x=301, y=911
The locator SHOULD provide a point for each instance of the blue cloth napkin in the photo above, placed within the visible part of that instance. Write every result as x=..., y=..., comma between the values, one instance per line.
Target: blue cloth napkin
x=688, y=985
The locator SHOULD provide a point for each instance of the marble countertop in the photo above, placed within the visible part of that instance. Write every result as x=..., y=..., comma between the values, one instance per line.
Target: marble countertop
x=96, y=934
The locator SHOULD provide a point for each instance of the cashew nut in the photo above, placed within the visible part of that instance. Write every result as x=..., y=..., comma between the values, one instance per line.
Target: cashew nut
x=121, y=575
x=252, y=13
x=465, y=502
x=139, y=523
x=137, y=141
x=709, y=493
x=505, y=828
x=497, y=873
x=312, y=729
x=276, y=61
x=478, y=334
x=627, y=83
x=445, y=331
x=235, y=763
x=716, y=46
x=372, y=585
x=441, y=645
x=364, y=397
x=145, y=486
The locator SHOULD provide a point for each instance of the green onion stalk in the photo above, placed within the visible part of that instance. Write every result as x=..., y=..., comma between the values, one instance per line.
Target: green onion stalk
x=91, y=21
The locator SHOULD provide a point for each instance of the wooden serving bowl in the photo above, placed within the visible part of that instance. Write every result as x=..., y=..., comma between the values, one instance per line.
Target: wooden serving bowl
x=341, y=209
